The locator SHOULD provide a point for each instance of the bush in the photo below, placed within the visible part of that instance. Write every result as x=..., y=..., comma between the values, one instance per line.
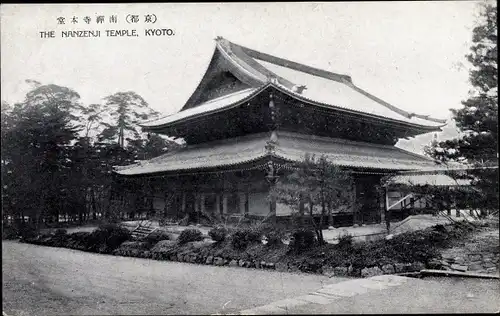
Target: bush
x=58, y=239
x=60, y=232
x=164, y=246
x=302, y=240
x=79, y=240
x=275, y=237
x=9, y=232
x=132, y=248
x=156, y=237
x=345, y=241
x=190, y=234
x=218, y=233
x=241, y=238
x=107, y=238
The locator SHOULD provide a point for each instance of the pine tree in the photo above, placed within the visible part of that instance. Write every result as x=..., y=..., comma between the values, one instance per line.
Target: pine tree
x=315, y=184
x=478, y=118
x=35, y=148
x=126, y=110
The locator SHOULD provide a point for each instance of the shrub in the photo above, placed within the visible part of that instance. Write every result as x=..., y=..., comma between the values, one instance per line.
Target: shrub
x=275, y=237
x=218, y=233
x=107, y=238
x=58, y=239
x=190, y=234
x=79, y=240
x=132, y=248
x=60, y=232
x=241, y=238
x=302, y=240
x=156, y=237
x=9, y=232
x=27, y=232
x=164, y=245
x=345, y=241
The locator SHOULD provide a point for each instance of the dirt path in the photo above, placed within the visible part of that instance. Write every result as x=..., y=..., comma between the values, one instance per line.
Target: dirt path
x=53, y=281
x=421, y=296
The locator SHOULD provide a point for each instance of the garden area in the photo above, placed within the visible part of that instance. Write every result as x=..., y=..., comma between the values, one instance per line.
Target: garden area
x=262, y=247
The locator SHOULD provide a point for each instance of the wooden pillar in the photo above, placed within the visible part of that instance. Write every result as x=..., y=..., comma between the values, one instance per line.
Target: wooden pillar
x=217, y=205
x=166, y=206
x=247, y=208
x=382, y=210
x=387, y=211
x=242, y=198
x=196, y=202
x=224, y=203
x=202, y=202
x=183, y=205
x=272, y=208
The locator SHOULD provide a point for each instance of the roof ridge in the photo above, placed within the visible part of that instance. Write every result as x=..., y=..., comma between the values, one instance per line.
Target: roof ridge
x=292, y=64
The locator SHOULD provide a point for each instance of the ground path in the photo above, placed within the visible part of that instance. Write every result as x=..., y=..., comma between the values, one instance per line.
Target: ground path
x=393, y=295
x=41, y=280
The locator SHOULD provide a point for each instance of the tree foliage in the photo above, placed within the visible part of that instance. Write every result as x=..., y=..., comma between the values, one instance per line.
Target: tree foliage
x=478, y=118
x=53, y=163
x=316, y=186
x=126, y=109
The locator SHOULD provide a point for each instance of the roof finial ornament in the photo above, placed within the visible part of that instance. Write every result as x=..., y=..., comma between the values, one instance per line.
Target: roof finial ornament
x=273, y=80
x=298, y=89
x=219, y=38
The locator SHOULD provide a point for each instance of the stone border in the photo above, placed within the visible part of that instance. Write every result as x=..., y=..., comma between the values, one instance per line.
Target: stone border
x=329, y=271
x=445, y=273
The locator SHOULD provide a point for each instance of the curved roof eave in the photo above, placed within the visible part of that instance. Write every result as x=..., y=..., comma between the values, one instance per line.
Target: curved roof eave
x=223, y=46
x=331, y=106
x=298, y=97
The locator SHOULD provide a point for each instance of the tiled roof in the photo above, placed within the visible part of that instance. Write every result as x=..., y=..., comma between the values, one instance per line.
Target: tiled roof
x=323, y=87
x=290, y=147
x=204, y=108
x=428, y=179
x=339, y=94
x=202, y=156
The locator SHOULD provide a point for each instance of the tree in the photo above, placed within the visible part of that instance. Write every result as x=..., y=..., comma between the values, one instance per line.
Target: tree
x=35, y=152
x=316, y=185
x=478, y=118
x=153, y=146
x=126, y=110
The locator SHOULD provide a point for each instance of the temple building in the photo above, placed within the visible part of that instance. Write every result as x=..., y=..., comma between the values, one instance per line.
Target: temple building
x=252, y=116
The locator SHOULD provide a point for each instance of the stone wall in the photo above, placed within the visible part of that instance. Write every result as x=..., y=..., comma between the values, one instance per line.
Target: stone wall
x=479, y=254
x=474, y=261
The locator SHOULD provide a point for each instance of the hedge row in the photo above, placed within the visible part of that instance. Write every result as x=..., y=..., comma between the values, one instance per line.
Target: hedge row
x=403, y=253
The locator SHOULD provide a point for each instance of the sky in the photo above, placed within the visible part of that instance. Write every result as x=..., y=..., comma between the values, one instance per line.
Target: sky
x=410, y=54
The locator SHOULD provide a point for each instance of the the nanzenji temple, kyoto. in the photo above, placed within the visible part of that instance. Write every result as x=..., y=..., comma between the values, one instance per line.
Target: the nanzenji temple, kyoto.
x=254, y=115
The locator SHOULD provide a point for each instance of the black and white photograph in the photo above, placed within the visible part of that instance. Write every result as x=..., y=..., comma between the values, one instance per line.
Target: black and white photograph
x=249, y=158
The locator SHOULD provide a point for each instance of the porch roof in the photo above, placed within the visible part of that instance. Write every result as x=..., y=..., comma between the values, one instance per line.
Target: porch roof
x=289, y=147
x=428, y=179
